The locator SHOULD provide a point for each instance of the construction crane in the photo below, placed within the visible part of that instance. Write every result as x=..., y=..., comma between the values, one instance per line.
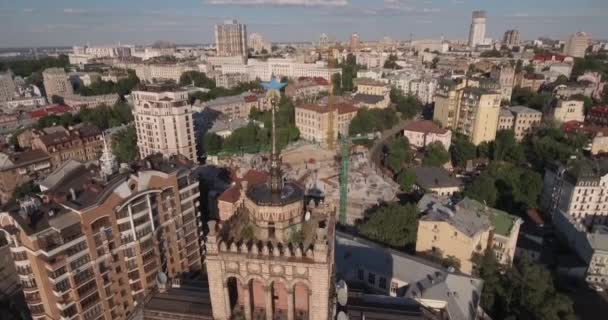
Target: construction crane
x=345, y=143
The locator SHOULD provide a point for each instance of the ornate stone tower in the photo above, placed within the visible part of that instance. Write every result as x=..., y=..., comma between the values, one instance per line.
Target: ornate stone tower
x=274, y=258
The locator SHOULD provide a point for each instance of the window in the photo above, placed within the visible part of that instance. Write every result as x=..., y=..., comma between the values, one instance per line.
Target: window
x=361, y=274
x=371, y=278
x=382, y=283
x=394, y=287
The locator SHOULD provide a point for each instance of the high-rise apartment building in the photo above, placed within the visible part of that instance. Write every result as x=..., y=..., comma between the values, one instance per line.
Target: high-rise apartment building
x=7, y=86
x=93, y=245
x=355, y=41
x=56, y=83
x=505, y=76
x=577, y=45
x=258, y=43
x=466, y=107
x=163, y=120
x=231, y=39
x=477, y=33
x=511, y=38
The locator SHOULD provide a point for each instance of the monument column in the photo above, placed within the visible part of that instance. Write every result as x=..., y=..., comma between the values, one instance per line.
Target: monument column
x=227, y=299
x=290, y=296
x=246, y=300
x=268, y=292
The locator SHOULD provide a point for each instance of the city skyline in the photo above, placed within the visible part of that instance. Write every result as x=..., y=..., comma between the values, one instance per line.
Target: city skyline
x=66, y=22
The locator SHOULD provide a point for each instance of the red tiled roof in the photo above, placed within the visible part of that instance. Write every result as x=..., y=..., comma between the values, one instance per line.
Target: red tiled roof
x=345, y=108
x=571, y=126
x=231, y=194
x=251, y=98
x=49, y=110
x=425, y=126
x=535, y=217
x=599, y=110
x=549, y=57
x=254, y=177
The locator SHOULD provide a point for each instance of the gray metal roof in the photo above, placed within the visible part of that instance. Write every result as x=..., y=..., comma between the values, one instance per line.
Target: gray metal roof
x=425, y=280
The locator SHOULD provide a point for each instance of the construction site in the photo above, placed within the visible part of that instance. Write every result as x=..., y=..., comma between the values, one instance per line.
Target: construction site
x=318, y=170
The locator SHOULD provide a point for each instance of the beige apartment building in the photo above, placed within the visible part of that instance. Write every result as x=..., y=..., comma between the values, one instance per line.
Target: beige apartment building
x=464, y=230
x=522, y=120
x=7, y=86
x=56, y=83
x=567, y=110
x=464, y=107
x=231, y=39
x=577, y=44
x=505, y=76
x=322, y=124
x=94, y=243
x=163, y=120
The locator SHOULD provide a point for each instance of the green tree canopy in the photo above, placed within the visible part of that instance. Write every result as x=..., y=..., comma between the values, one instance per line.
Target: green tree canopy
x=406, y=180
x=506, y=148
x=25, y=68
x=391, y=63
x=122, y=87
x=398, y=154
x=199, y=79
x=124, y=145
x=394, y=225
x=409, y=106
x=372, y=120
x=212, y=143
x=462, y=150
x=435, y=155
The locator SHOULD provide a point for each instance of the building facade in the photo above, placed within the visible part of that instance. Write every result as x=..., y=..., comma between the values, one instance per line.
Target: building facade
x=163, y=120
x=567, y=110
x=81, y=143
x=577, y=44
x=323, y=124
x=308, y=88
x=511, y=38
x=424, y=132
x=505, y=76
x=526, y=121
x=465, y=230
x=477, y=32
x=231, y=39
x=93, y=245
x=21, y=167
x=56, y=83
x=463, y=106
x=7, y=86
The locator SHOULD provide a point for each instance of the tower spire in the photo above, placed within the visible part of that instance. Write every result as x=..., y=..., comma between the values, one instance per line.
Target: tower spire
x=273, y=93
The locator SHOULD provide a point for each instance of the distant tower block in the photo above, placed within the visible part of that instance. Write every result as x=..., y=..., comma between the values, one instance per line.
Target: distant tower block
x=477, y=33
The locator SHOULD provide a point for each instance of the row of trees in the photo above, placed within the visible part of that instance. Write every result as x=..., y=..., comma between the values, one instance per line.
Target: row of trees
x=372, y=120
x=122, y=87
x=25, y=68
x=393, y=224
x=523, y=291
x=409, y=106
x=253, y=138
x=103, y=117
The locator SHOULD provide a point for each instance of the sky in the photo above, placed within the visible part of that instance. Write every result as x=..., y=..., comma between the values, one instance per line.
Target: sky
x=28, y=23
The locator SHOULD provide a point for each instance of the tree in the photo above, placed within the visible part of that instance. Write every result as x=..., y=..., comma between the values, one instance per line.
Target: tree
x=26, y=189
x=506, y=148
x=394, y=225
x=391, y=62
x=349, y=72
x=435, y=155
x=264, y=52
x=25, y=68
x=212, y=143
x=398, y=153
x=483, y=190
x=451, y=262
x=199, y=79
x=406, y=180
x=336, y=80
x=462, y=150
x=409, y=106
x=372, y=120
x=124, y=145
x=522, y=96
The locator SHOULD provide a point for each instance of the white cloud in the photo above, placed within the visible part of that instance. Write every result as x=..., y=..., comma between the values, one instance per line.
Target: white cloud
x=306, y=3
x=28, y=10
x=73, y=11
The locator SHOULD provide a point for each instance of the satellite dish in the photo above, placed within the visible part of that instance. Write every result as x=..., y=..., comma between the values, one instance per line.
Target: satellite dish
x=342, y=292
x=342, y=316
x=161, y=279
